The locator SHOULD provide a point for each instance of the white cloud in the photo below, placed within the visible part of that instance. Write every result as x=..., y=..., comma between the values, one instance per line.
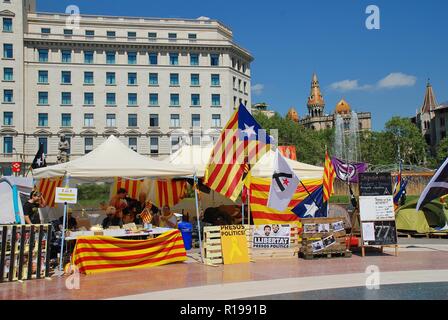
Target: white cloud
x=257, y=89
x=393, y=80
x=348, y=85
x=397, y=79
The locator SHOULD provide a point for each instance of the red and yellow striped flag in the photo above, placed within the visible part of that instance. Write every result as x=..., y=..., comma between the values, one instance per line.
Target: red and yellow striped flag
x=329, y=175
x=259, y=194
x=97, y=254
x=48, y=189
x=168, y=192
x=132, y=187
x=242, y=142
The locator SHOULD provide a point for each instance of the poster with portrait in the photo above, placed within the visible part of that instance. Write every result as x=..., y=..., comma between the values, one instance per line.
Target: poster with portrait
x=271, y=236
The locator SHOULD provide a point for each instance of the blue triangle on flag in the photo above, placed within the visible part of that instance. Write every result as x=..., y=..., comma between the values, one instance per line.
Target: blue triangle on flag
x=312, y=206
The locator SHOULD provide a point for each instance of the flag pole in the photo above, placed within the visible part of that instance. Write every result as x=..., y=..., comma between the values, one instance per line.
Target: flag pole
x=197, y=215
x=64, y=222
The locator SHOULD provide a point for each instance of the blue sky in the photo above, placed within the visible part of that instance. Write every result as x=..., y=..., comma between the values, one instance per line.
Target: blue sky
x=382, y=71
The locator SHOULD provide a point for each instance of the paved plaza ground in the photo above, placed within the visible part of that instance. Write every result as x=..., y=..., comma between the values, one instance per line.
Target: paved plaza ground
x=421, y=266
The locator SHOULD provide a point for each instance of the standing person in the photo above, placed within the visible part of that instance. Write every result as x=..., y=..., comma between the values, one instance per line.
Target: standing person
x=31, y=208
x=119, y=202
x=168, y=219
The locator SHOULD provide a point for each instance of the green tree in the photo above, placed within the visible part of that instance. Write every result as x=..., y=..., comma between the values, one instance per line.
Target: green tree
x=442, y=151
x=377, y=148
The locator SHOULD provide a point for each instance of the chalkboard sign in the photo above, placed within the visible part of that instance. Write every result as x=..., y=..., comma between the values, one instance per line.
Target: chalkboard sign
x=379, y=233
x=375, y=184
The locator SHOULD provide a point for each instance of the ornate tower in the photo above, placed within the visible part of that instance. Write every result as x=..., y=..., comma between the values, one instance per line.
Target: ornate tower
x=316, y=102
x=427, y=114
x=292, y=115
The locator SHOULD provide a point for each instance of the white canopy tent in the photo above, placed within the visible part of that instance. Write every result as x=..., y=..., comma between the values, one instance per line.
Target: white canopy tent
x=113, y=159
x=198, y=156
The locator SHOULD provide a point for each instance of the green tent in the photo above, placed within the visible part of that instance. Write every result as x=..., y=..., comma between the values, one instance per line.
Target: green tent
x=434, y=215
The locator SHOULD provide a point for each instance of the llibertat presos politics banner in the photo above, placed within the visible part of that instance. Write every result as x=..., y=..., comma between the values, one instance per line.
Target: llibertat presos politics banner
x=347, y=171
x=271, y=236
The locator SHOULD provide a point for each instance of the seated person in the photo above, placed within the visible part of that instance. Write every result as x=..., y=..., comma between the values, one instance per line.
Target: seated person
x=168, y=219
x=70, y=223
x=112, y=219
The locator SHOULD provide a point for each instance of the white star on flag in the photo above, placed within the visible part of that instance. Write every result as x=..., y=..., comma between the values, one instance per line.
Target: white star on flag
x=311, y=209
x=249, y=131
x=283, y=184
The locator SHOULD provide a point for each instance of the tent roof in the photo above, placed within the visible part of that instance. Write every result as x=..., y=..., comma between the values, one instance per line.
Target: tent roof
x=113, y=159
x=198, y=156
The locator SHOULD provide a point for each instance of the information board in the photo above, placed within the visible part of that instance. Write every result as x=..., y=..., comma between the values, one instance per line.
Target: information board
x=375, y=184
x=376, y=208
x=379, y=233
x=66, y=195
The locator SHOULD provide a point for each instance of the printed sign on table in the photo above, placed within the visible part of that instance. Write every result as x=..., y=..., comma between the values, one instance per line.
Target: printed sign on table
x=66, y=195
x=234, y=244
x=271, y=236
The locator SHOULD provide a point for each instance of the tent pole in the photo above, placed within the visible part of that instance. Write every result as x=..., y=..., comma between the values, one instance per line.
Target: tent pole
x=197, y=215
x=64, y=222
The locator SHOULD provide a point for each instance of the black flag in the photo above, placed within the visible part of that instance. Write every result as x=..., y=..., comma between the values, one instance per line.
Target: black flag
x=437, y=186
x=39, y=160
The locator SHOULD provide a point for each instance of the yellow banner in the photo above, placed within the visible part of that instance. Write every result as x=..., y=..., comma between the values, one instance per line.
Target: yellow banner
x=234, y=244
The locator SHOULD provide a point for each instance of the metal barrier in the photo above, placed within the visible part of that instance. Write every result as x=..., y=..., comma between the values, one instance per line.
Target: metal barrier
x=24, y=252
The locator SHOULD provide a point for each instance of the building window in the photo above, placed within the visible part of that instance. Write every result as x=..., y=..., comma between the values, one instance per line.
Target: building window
x=152, y=35
x=66, y=120
x=245, y=87
x=153, y=99
x=132, y=99
x=214, y=59
x=90, y=33
x=8, y=52
x=42, y=76
x=88, y=57
x=194, y=79
x=7, y=25
x=133, y=143
x=8, y=74
x=153, y=79
x=195, y=120
x=45, y=30
x=196, y=140
x=110, y=99
x=174, y=79
x=88, y=120
x=175, y=121
x=216, y=100
x=89, y=99
x=42, y=120
x=172, y=36
x=88, y=144
x=154, y=120
x=174, y=59
x=110, y=78
x=43, y=55
x=132, y=120
x=244, y=68
x=43, y=98
x=7, y=145
x=215, y=81
x=234, y=82
x=111, y=120
x=68, y=32
x=153, y=58
x=132, y=57
x=88, y=77
x=195, y=100
x=175, y=143
x=66, y=77
x=132, y=35
x=110, y=34
x=174, y=99
x=110, y=57
x=8, y=96
x=44, y=142
x=154, y=145
x=194, y=59
x=132, y=78
x=66, y=56
x=216, y=120
x=192, y=36
x=7, y=118
x=66, y=98
x=239, y=85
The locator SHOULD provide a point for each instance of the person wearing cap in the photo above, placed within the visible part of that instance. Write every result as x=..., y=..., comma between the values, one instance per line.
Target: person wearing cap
x=31, y=208
x=71, y=223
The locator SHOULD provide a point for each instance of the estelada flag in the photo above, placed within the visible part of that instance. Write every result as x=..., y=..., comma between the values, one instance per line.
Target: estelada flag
x=242, y=138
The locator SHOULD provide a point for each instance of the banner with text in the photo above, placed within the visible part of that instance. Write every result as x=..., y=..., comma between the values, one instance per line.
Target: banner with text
x=271, y=236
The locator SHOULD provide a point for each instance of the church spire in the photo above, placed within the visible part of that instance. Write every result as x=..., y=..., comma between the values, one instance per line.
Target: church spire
x=430, y=102
x=315, y=102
